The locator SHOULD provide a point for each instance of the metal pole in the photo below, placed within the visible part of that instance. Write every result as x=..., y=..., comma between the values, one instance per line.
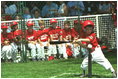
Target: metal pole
x=23, y=41
x=89, y=64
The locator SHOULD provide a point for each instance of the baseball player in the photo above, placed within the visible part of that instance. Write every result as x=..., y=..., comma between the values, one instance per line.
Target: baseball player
x=43, y=40
x=96, y=52
x=31, y=37
x=16, y=37
x=77, y=33
x=6, y=51
x=55, y=34
x=67, y=36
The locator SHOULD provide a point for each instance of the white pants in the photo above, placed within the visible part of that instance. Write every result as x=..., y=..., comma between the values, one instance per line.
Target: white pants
x=52, y=50
x=99, y=58
x=76, y=51
x=6, y=52
x=40, y=51
x=33, y=50
x=62, y=50
x=14, y=51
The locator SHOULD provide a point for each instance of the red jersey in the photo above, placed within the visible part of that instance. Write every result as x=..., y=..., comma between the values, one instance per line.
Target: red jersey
x=43, y=35
x=78, y=34
x=31, y=36
x=6, y=36
x=16, y=33
x=93, y=40
x=67, y=34
x=74, y=33
x=55, y=32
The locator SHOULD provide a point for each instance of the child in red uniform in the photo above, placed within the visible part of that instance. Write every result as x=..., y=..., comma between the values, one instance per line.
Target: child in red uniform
x=67, y=36
x=31, y=37
x=97, y=54
x=43, y=40
x=6, y=50
x=55, y=33
x=16, y=37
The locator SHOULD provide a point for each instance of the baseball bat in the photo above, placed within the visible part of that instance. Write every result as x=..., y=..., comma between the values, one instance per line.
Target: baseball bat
x=59, y=42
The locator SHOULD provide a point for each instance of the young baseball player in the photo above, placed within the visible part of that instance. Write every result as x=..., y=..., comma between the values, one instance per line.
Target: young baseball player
x=31, y=37
x=67, y=36
x=6, y=51
x=16, y=37
x=43, y=40
x=77, y=33
x=55, y=34
x=96, y=52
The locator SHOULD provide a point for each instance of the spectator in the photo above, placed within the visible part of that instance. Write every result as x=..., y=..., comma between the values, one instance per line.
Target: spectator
x=36, y=15
x=75, y=8
x=3, y=11
x=91, y=7
x=104, y=7
x=33, y=9
x=11, y=9
x=49, y=9
x=26, y=14
x=63, y=10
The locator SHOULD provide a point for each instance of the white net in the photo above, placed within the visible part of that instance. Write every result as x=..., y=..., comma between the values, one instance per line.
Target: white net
x=104, y=26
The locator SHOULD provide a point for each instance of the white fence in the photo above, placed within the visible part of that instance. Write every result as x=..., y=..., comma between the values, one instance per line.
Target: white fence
x=103, y=25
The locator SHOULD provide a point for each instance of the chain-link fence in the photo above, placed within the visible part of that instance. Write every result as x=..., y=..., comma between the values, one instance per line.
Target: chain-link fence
x=103, y=25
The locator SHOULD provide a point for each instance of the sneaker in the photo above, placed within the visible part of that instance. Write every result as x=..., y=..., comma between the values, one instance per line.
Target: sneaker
x=83, y=75
x=114, y=74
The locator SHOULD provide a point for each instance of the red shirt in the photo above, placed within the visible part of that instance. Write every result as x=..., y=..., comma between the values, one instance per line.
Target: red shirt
x=6, y=36
x=75, y=33
x=31, y=36
x=93, y=40
x=67, y=34
x=43, y=35
x=55, y=32
x=78, y=34
x=16, y=33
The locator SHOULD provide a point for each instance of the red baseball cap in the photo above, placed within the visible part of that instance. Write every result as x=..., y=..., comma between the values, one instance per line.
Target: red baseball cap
x=53, y=20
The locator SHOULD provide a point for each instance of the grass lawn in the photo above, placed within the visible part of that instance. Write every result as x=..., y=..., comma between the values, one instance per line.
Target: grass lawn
x=69, y=68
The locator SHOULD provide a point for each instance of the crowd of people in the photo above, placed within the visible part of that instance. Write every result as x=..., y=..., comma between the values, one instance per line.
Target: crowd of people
x=52, y=9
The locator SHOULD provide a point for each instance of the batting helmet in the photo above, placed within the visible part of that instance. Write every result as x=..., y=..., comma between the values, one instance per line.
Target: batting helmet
x=53, y=21
x=29, y=23
x=14, y=23
x=3, y=26
x=86, y=23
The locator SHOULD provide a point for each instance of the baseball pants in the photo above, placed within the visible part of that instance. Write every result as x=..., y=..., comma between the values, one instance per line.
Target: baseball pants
x=33, y=50
x=40, y=50
x=62, y=50
x=14, y=51
x=6, y=52
x=98, y=57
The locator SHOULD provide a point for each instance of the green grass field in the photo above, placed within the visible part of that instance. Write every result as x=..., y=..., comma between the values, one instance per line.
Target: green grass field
x=69, y=68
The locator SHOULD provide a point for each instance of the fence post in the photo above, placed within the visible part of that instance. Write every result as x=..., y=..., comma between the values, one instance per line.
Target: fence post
x=97, y=26
x=23, y=28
